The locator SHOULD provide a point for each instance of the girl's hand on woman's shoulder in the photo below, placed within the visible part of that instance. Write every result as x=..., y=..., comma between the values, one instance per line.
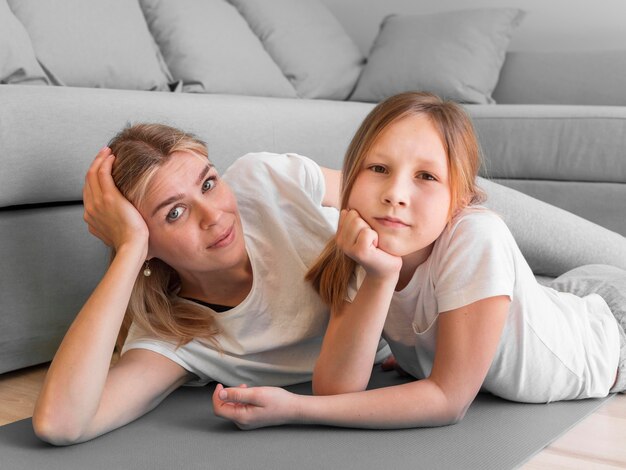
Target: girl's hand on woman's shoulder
x=109, y=215
x=360, y=242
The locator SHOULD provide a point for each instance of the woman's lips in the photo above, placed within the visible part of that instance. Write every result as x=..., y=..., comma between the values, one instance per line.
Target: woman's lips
x=225, y=239
x=391, y=222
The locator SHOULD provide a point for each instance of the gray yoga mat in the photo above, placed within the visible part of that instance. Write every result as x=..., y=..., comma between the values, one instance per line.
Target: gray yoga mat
x=183, y=433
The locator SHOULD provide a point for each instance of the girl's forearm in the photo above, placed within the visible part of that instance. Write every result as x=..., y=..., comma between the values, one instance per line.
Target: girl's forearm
x=76, y=377
x=416, y=404
x=352, y=339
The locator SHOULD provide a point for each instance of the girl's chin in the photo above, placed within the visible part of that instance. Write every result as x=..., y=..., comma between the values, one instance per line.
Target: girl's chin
x=395, y=250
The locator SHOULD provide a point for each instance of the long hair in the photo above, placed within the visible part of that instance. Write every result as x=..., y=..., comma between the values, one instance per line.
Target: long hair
x=140, y=150
x=331, y=272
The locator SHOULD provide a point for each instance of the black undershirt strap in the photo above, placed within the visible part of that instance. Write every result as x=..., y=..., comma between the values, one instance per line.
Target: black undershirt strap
x=217, y=307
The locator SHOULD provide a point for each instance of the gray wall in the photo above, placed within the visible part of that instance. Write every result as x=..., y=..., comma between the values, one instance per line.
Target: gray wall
x=549, y=25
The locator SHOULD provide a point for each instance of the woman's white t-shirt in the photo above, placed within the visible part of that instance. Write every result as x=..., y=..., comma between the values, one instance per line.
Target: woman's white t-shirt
x=554, y=346
x=274, y=336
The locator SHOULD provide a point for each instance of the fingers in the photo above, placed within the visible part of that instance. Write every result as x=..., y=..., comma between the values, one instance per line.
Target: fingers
x=238, y=395
x=350, y=227
x=355, y=237
x=105, y=177
x=91, y=178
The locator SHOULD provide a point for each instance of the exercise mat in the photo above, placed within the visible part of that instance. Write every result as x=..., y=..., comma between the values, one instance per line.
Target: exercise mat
x=183, y=433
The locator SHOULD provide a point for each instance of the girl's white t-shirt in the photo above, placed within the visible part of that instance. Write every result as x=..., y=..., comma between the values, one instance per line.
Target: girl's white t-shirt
x=274, y=336
x=554, y=346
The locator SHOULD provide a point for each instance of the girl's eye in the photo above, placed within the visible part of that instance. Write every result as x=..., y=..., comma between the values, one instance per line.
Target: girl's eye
x=208, y=184
x=427, y=176
x=378, y=168
x=174, y=214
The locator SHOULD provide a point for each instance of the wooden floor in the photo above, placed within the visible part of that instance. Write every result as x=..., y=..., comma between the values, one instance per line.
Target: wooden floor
x=598, y=442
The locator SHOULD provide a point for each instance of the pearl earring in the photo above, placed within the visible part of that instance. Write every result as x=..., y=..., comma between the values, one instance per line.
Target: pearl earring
x=146, y=270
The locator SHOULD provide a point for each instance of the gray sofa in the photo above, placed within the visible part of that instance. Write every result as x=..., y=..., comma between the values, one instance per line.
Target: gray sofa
x=569, y=156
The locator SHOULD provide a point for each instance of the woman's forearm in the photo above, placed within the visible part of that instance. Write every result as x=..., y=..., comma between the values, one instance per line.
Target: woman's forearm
x=73, y=386
x=352, y=339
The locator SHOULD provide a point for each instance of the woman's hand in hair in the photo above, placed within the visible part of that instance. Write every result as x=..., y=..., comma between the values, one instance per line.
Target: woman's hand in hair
x=109, y=215
x=360, y=242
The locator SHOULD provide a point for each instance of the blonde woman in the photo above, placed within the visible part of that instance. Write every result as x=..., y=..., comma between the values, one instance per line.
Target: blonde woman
x=418, y=260
x=206, y=280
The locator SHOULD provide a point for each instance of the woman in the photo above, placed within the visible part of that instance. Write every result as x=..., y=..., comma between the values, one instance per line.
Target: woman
x=207, y=278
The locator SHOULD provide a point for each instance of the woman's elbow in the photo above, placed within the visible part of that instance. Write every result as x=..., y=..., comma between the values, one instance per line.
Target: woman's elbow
x=55, y=430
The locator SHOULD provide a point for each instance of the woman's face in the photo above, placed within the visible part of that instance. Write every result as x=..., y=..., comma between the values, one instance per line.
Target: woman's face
x=192, y=217
x=402, y=189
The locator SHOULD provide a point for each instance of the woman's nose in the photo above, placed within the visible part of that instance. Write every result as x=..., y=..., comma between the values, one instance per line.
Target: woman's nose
x=208, y=216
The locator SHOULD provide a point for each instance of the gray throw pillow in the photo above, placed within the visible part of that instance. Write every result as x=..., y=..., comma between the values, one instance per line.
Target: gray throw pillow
x=210, y=47
x=456, y=55
x=17, y=58
x=308, y=43
x=95, y=43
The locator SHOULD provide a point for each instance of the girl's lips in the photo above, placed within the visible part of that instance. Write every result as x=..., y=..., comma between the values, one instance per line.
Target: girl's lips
x=390, y=222
x=224, y=239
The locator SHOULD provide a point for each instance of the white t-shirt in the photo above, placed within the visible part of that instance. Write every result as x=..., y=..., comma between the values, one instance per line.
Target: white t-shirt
x=554, y=346
x=274, y=336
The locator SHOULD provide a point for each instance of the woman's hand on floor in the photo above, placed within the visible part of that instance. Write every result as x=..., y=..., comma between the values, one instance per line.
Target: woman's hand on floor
x=255, y=407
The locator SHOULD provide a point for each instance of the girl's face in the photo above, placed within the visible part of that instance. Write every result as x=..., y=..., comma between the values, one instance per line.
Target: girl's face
x=192, y=217
x=402, y=189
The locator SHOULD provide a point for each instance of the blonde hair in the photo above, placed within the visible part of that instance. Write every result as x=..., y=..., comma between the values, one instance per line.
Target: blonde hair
x=140, y=150
x=331, y=272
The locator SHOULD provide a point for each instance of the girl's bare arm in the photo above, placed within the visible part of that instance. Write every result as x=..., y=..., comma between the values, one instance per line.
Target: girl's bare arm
x=353, y=333
x=467, y=340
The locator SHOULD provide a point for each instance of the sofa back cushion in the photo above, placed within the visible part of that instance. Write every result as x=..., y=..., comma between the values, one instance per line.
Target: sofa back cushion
x=308, y=43
x=577, y=78
x=456, y=55
x=210, y=47
x=17, y=58
x=95, y=43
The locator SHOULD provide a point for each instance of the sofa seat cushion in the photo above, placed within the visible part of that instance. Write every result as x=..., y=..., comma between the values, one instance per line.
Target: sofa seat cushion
x=95, y=43
x=551, y=142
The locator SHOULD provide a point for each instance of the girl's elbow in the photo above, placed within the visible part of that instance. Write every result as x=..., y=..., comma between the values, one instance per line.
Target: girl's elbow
x=455, y=413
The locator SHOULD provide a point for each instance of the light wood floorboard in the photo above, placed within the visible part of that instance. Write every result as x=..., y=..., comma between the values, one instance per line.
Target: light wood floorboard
x=598, y=442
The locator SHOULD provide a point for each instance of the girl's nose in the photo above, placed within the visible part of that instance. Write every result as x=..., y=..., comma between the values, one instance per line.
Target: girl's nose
x=395, y=194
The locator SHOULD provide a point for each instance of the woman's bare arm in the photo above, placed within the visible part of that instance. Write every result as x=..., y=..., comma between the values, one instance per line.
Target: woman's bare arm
x=80, y=398
x=332, y=196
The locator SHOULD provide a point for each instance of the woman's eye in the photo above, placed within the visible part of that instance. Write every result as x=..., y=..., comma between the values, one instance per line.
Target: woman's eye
x=377, y=168
x=208, y=184
x=174, y=214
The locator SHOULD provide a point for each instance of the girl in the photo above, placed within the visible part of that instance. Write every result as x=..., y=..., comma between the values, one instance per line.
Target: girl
x=417, y=259
x=205, y=279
